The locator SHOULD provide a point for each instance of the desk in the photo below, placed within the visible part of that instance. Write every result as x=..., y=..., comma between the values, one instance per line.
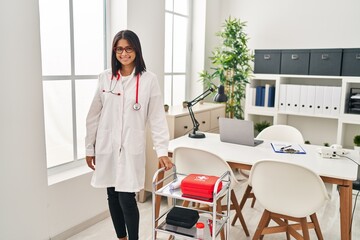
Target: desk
x=336, y=171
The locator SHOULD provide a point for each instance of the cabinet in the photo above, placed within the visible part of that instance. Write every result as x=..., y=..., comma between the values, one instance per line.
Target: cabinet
x=219, y=220
x=316, y=105
x=179, y=123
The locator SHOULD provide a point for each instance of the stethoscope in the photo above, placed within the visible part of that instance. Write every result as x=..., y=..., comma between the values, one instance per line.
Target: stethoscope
x=136, y=105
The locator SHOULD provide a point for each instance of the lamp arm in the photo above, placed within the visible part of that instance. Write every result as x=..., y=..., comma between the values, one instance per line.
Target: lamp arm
x=200, y=97
x=193, y=119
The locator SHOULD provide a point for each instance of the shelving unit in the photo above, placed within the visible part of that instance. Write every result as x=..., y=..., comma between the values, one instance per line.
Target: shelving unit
x=337, y=126
x=220, y=220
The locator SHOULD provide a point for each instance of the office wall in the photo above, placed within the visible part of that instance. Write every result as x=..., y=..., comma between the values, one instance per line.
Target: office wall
x=23, y=180
x=298, y=24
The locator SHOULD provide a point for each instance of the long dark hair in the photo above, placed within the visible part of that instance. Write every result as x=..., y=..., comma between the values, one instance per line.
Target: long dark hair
x=134, y=42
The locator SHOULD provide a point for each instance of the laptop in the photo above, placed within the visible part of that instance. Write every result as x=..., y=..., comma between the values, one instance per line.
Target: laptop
x=237, y=131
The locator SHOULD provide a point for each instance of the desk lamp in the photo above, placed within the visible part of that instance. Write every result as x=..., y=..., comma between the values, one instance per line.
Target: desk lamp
x=219, y=97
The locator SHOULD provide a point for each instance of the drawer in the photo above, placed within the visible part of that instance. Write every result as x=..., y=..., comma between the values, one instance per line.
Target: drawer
x=214, y=117
x=183, y=125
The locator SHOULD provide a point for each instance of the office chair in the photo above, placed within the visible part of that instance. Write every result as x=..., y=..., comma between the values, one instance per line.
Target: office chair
x=190, y=160
x=282, y=133
x=288, y=192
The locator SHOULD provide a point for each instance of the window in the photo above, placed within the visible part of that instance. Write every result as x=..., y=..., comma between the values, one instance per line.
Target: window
x=73, y=54
x=177, y=37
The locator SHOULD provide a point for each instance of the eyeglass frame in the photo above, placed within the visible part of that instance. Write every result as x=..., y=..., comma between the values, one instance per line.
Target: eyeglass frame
x=127, y=49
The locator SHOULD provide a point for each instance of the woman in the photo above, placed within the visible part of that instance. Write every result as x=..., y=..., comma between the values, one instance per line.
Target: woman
x=127, y=98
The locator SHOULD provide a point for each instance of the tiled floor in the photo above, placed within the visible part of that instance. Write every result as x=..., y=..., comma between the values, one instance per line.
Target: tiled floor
x=328, y=218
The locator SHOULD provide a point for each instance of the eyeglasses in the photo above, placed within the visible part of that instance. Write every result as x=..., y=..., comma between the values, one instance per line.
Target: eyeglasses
x=120, y=50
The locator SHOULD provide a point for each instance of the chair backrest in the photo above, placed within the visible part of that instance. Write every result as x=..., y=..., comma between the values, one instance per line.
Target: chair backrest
x=190, y=160
x=284, y=133
x=287, y=188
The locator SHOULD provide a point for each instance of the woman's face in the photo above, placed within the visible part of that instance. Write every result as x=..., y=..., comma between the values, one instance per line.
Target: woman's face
x=125, y=54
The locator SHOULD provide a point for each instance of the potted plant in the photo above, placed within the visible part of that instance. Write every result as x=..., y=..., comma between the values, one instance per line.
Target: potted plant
x=261, y=126
x=166, y=107
x=357, y=142
x=231, y=65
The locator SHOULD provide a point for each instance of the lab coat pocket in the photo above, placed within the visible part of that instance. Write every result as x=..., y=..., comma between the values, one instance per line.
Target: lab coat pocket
x=103, y=143
x=136, y=141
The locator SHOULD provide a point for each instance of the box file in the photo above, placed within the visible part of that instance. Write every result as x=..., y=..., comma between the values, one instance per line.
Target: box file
x=325, y=62
x=267, y=61
x=282, y=97
x=319, y=100
x=295, y=61
x=351, y=62
x=335, y=101
x=327, y=103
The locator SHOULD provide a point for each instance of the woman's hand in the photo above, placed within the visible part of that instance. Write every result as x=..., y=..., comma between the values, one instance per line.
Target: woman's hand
x=166, y=162
x=90, y=160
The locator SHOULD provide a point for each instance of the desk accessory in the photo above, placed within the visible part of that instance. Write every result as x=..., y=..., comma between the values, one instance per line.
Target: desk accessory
x=287, y=148
x=219, y=97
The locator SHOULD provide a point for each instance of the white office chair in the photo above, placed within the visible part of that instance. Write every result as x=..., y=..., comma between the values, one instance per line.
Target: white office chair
x=287, y=192
x=283, y=133
x=190, y=160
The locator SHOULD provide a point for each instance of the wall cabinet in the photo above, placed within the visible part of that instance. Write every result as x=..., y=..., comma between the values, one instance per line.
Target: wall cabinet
x=179, y=123
x=322, y=118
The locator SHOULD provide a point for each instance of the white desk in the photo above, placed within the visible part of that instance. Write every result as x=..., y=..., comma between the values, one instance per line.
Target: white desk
x=336, y=171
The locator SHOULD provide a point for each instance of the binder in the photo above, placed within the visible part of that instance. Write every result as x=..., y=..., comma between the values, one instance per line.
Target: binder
x=295, y=93
x=303, y=98
x=288, y=100
x=258, y=96
x=266, y=95
x=282, y=97
x=327, y=104
x=262, y=99
x=271, y=100
x=319, y=100
x=310, y=106
x=336, y=98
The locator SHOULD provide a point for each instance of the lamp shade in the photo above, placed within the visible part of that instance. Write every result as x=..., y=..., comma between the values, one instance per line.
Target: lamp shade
x=220, y=96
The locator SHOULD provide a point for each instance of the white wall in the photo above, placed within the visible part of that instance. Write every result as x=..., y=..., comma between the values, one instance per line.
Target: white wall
x=147, y=19
x=298, y=24
x=23, y=180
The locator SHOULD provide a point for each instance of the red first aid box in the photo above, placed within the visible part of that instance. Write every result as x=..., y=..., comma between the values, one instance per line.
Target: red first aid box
x=199, y=186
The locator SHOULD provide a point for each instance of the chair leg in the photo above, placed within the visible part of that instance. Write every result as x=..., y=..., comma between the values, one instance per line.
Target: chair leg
x=264, y=221
x=315, y=221
x=238, y=214
x=305, y=228
x=253, y=201
x=287, y=232
x=242, y=203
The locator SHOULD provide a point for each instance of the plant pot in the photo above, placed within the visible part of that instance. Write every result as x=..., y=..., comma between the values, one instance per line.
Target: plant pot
x=166, y=108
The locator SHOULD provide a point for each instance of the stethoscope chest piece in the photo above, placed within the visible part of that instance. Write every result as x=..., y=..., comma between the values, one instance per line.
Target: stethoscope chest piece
x=136, y=106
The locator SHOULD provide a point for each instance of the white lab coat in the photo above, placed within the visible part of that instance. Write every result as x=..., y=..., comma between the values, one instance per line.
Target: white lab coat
x=116, y=133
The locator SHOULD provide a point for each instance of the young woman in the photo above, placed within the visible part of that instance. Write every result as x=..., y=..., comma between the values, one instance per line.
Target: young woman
x=128, y=97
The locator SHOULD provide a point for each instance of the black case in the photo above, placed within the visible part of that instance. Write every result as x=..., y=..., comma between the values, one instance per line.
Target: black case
x=267, y=61
x=325, y=62
x=295, y=61
x=182, y=217
x=351, y=62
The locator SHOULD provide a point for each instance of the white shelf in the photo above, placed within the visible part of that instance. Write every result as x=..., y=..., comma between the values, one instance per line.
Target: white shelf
x=317, y=128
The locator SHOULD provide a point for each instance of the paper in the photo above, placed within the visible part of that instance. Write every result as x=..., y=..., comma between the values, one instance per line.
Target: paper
x=288, y=148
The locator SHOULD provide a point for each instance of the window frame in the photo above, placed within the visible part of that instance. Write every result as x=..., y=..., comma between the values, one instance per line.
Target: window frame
x=76, y=161
x=188, y=50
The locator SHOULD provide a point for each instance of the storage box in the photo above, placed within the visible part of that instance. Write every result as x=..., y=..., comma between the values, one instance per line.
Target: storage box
x=295, y=61
x=267, y=61
x=199, y=186
x=325, y=62
x=351, y=62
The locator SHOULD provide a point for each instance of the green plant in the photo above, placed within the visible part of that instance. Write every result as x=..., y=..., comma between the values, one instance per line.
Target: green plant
x=357, y=140
x=261, y=126
x=326, y=144
x=231, y=65
x=307, y=142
